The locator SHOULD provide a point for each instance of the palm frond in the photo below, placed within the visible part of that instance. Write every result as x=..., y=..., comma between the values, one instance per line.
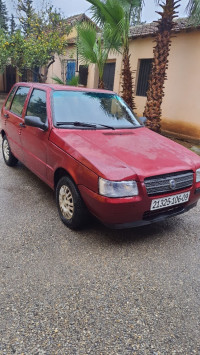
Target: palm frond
x=111, y=11
x=91, y=48
x=193, y=9
x=86, y=42
x=57, y=80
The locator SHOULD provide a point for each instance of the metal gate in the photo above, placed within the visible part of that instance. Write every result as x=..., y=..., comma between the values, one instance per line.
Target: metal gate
x=10, y=77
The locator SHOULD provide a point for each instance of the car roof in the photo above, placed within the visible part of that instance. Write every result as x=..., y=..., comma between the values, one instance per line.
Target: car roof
x=58, y=87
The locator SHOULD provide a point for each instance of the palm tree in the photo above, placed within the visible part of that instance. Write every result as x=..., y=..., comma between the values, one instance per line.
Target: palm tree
x=116, y=17
x=161, y=51
x=93, y=48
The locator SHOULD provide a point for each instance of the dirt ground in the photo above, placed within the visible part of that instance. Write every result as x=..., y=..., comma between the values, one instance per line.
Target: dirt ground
x=189, y=145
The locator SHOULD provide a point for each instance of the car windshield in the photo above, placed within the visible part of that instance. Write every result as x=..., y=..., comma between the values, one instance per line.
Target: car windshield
x=91, y=110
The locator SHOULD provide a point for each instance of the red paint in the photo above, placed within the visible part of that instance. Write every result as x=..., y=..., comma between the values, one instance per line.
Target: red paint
x=86, y=155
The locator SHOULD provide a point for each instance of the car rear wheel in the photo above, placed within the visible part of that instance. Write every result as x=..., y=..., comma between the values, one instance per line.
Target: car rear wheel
x=9, y=158
x=71, y=207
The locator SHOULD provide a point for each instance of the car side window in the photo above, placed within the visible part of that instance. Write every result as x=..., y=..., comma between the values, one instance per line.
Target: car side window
x=37, y=105
x=10, y=97
x=19, y=100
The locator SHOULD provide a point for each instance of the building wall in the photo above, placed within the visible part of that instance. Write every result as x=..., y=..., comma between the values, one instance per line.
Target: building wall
x=55, y=70
x=58, y=68
x=181, y=103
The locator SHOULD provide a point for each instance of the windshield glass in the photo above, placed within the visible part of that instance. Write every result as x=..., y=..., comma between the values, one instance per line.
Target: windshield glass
x=100, y=110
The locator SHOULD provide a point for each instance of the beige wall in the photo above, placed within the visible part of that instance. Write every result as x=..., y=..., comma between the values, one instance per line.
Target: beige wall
x=58, y=68
x=72, y=34
x=181, y=103
x=54, y=70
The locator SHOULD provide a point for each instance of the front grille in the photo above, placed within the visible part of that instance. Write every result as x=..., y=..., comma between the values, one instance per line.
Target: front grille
x=163, y=184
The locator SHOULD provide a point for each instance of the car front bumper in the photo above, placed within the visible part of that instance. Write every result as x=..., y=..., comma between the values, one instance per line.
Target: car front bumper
x=119, y=213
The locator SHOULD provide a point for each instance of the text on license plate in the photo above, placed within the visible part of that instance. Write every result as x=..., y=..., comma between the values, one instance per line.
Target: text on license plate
x=170, y=201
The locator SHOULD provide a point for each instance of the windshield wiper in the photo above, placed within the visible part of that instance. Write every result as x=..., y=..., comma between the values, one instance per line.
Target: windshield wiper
x=76, y=124
x=83, y=124
x=106, y=126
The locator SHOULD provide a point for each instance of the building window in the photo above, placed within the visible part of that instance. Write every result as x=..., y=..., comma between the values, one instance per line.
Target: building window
x=109, y=75
x=83, y=74
x=143, y=78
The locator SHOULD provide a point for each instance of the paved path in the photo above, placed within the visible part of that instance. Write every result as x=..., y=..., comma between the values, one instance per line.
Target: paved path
x=97, y=291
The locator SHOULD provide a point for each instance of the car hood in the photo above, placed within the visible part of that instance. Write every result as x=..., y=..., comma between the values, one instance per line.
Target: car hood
x=123, y=154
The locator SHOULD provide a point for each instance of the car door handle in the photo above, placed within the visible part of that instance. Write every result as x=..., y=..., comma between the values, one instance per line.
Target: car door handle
x=22, y=125
x=6, y=115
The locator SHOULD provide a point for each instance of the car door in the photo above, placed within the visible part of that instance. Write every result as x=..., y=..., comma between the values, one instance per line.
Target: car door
x=12, y=113
x=6, y=108
x=35, y=140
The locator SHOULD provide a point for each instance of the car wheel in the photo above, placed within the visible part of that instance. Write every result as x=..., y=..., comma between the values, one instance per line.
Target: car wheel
x=71, y=207
x=9, y=158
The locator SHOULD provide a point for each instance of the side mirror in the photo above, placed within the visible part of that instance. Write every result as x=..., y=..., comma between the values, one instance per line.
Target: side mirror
x=35, y=121
x=142, y=120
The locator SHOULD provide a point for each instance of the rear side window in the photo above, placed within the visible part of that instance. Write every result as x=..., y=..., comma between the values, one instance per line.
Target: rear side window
x=10, y=97
x=37, y=105
x=19, y=100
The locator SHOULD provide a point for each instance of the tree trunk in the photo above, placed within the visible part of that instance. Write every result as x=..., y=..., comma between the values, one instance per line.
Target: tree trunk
x=101, y=84
x=127, y=80
x=43, y=77
x=158, y=76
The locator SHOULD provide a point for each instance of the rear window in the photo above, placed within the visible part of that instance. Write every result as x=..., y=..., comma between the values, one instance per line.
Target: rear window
x=19, y=100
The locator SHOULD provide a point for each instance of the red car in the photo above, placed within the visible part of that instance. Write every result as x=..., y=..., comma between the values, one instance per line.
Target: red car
x=89, y=147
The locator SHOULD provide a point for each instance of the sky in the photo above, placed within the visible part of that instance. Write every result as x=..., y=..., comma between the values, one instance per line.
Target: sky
x=73, y=7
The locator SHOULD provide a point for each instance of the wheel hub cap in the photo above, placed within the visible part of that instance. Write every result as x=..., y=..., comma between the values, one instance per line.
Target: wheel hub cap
x=6, y=149
x=66, y=202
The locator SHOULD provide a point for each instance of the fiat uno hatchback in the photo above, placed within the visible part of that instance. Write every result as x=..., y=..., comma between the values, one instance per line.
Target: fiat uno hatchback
x=88, y=146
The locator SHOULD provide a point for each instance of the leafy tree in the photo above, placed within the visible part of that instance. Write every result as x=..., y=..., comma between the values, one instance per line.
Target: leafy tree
x=116, y=16
x=12, y=24
x=3, y=16
x=26, y=14
x=5, y=50
x=45, y=36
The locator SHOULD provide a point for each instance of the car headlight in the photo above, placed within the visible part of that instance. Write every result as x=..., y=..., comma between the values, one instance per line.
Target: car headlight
x=198, y=175
x=117, y=188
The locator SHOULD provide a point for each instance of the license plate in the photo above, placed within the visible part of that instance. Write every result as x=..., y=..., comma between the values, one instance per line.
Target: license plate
x=170, y=201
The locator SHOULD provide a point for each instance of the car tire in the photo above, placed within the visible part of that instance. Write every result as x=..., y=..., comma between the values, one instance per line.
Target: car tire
x=9, y=158
x=71, y=208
